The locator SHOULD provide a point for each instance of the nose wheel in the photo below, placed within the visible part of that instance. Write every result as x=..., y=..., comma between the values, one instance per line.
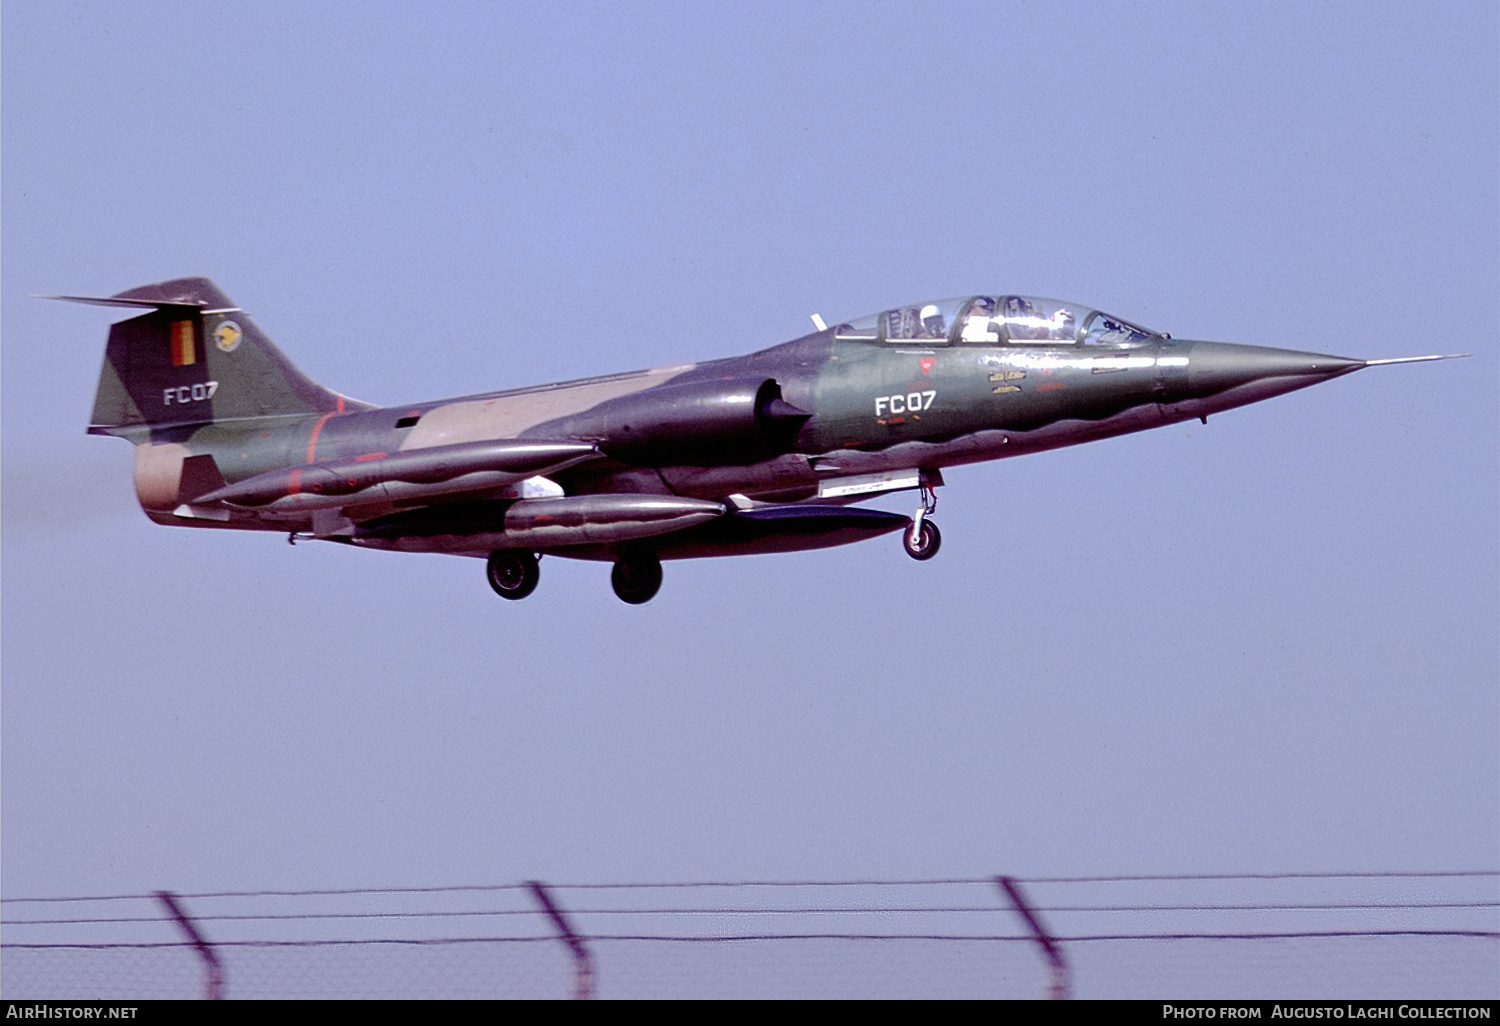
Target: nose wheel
x=513, y=574
x=923, y=539
x=636, y=579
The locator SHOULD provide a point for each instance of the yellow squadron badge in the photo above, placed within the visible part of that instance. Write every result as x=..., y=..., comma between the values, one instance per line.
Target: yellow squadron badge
x=227, y=336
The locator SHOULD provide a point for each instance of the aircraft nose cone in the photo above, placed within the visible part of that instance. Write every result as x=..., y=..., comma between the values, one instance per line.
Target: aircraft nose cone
x=1215, y=367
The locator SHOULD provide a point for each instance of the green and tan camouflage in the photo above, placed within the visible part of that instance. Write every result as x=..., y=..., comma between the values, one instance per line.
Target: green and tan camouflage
x=751, y=454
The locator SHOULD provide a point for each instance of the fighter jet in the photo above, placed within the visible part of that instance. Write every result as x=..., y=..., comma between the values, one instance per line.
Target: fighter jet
x=750, y=454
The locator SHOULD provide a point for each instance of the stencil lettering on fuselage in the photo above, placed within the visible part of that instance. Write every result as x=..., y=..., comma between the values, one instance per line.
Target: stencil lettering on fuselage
x=911, y=402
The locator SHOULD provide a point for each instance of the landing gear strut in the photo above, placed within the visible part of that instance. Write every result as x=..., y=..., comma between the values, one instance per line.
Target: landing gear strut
x=923, y=539
x=636, y=578
x=513, y=573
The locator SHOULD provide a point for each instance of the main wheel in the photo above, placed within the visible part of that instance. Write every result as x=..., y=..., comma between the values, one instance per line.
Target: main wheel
x=636, y=579
x=513, y=573
x=927, y=542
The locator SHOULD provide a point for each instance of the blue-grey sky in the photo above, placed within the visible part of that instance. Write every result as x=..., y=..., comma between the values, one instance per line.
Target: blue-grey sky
x=1268, y=643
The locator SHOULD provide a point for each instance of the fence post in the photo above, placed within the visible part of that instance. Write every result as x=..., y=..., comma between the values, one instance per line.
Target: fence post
x=215, y=986
x=583, y=979
x=1050, y=947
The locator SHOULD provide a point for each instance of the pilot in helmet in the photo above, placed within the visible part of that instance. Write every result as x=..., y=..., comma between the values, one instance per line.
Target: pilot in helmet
x=932, y=322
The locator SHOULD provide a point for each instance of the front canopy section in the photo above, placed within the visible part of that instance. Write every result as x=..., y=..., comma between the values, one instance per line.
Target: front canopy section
x=998, y=320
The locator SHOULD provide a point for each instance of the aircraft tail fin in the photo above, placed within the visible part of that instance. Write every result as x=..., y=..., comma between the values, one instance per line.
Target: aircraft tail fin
x=194, y=358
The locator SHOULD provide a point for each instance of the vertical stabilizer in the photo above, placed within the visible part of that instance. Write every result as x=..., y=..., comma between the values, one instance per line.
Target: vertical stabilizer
x=195, y=358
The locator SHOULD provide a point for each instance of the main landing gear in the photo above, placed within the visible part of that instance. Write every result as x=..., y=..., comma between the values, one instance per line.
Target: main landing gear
x=514, y=574
x=923, y=539
x=636, y=578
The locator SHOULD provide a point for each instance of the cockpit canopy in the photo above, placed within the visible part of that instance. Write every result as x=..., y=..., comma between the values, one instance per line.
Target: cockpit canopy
x=998, y=320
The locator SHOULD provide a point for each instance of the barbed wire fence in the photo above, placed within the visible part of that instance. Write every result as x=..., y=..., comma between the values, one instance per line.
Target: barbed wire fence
x=1272, y=935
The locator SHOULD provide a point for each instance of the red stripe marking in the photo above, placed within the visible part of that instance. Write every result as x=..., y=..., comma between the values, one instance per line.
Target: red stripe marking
x=371, y=456
x=341, y=404
x=312, y=443
x=294, y=484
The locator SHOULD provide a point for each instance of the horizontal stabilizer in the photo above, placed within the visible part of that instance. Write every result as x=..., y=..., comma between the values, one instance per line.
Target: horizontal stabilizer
x=140, y=304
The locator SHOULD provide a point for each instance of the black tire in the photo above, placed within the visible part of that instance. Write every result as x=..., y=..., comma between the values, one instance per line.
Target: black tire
x=512, y=573
x=636, y=580
x=929, y=540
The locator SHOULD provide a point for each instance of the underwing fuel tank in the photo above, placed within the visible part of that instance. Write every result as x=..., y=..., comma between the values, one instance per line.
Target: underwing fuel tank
x=536, y=524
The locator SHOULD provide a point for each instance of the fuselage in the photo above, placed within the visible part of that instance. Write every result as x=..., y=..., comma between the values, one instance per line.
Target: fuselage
x=744, y=455
x=876, y=406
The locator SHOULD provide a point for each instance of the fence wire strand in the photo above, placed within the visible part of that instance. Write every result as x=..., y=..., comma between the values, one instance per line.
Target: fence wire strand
x=1249, y=934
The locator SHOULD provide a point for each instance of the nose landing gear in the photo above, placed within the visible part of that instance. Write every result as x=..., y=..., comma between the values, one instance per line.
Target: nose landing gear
x=923, y=539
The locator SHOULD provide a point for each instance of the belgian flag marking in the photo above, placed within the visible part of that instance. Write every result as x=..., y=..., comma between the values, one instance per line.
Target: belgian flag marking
x=184, y=352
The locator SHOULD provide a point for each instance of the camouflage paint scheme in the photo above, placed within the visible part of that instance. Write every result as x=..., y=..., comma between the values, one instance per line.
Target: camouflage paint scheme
x=759, y=453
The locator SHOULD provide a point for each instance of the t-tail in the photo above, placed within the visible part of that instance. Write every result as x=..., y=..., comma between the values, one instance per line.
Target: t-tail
x=193, y=359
